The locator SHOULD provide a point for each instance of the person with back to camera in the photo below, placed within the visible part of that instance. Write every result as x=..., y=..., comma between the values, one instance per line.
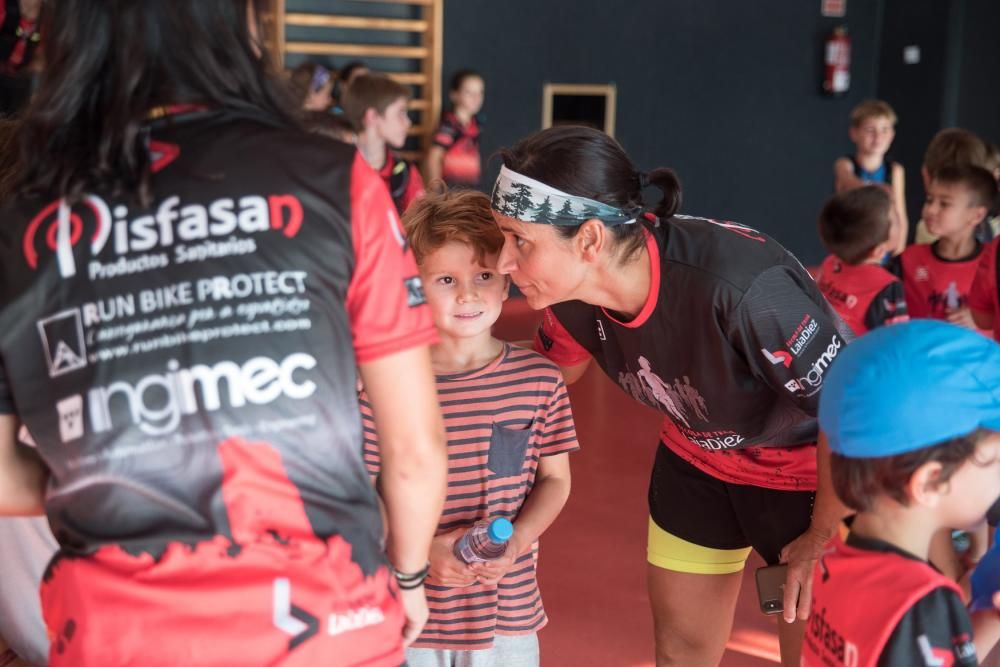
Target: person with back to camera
x=713, y=324
x=912, y=415
x=188, y=282
x=854, y=226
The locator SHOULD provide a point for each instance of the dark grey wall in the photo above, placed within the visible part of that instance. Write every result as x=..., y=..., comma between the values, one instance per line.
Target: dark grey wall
x=955, y=84
x=917, y=91
x=726, y=93
x=979, y=71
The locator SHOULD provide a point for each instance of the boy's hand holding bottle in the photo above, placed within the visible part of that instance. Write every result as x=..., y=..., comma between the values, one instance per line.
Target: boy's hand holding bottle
x=446, y=568
x=490, y=573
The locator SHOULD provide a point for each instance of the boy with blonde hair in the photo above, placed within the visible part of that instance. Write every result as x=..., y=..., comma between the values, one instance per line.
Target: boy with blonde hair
x=873, y=128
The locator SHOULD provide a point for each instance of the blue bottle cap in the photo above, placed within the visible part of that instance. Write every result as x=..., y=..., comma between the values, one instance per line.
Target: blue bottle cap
x=500, y=530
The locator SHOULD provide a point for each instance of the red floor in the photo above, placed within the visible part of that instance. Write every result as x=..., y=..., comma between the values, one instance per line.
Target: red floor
x=592, y=564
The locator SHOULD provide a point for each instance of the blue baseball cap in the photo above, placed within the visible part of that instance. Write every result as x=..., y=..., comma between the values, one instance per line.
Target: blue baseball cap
x=908, y=386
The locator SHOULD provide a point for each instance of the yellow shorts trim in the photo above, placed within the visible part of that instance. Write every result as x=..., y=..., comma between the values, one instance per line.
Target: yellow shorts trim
x=670, y=552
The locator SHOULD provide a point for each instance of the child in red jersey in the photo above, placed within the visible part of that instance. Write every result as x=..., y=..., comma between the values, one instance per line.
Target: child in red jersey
x=377, y=108
x=855, y=227
x=912, y=416
x=454, y=154
x=984, y=298
x=510, y=431
x=937, y=277
x=949, y=147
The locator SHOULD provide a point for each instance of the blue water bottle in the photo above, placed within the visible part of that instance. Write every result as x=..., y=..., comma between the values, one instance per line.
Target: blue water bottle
x=485, y=541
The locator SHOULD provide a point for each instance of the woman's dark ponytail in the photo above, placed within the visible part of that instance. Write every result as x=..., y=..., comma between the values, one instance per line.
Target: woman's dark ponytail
x=667, y=182
x=588, y=163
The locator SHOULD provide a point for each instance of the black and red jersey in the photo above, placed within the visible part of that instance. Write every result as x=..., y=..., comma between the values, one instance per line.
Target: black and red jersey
x=913, y=615
x=934, y=285
x=187, y=371
x=19, y=38
x=731, y=346
x=462, y=164
x=403, y=180
x=867, y=296
x=983, y=295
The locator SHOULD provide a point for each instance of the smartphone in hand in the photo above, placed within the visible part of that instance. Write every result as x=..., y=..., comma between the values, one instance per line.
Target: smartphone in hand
x=771, y=588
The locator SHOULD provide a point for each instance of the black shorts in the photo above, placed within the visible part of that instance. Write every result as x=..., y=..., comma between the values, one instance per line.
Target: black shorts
x=703, y=510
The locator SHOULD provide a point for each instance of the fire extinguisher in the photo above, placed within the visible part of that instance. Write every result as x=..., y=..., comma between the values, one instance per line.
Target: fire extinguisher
x=837, y=62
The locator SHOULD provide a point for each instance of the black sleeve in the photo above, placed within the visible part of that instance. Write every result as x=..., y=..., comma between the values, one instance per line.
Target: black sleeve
x=6, y=397
x=888, y=307
x=789, y=334
x=993, y=515
x=936, y=630
x=895, y=266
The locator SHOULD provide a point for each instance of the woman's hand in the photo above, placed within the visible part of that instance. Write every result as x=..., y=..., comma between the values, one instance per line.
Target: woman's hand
x=801, y=555
x=416, y=612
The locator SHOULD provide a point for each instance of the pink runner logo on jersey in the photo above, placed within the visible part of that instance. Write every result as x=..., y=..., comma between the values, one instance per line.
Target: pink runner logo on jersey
x=59, y=228
x=680, y=399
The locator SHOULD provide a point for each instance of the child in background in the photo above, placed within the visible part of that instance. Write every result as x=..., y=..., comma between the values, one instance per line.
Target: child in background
x=510, y=432
x=949, y=148
x=937, y=277
x=454, y=154
x=377, y=108
x=984, y=298
x=854, y=226
x=348, y=73
x=912, y=416
x=990, y=229
x=312, y=85
x=873, y=127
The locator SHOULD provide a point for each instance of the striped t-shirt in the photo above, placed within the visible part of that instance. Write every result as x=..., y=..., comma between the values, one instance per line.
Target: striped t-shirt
x=500, y=420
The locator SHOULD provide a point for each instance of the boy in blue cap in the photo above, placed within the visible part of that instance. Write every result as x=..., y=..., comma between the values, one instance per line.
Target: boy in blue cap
x=912, y=416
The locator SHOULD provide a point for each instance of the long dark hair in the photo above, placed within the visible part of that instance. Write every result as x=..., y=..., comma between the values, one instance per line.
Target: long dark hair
x=588, y=163
x=107, y=64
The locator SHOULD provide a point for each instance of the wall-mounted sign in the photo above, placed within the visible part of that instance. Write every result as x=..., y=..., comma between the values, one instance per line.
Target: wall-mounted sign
x=833, y=8
x=580, y=104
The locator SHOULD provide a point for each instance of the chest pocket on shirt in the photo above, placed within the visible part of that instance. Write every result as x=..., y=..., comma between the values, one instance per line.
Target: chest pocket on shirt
x=507, y=448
